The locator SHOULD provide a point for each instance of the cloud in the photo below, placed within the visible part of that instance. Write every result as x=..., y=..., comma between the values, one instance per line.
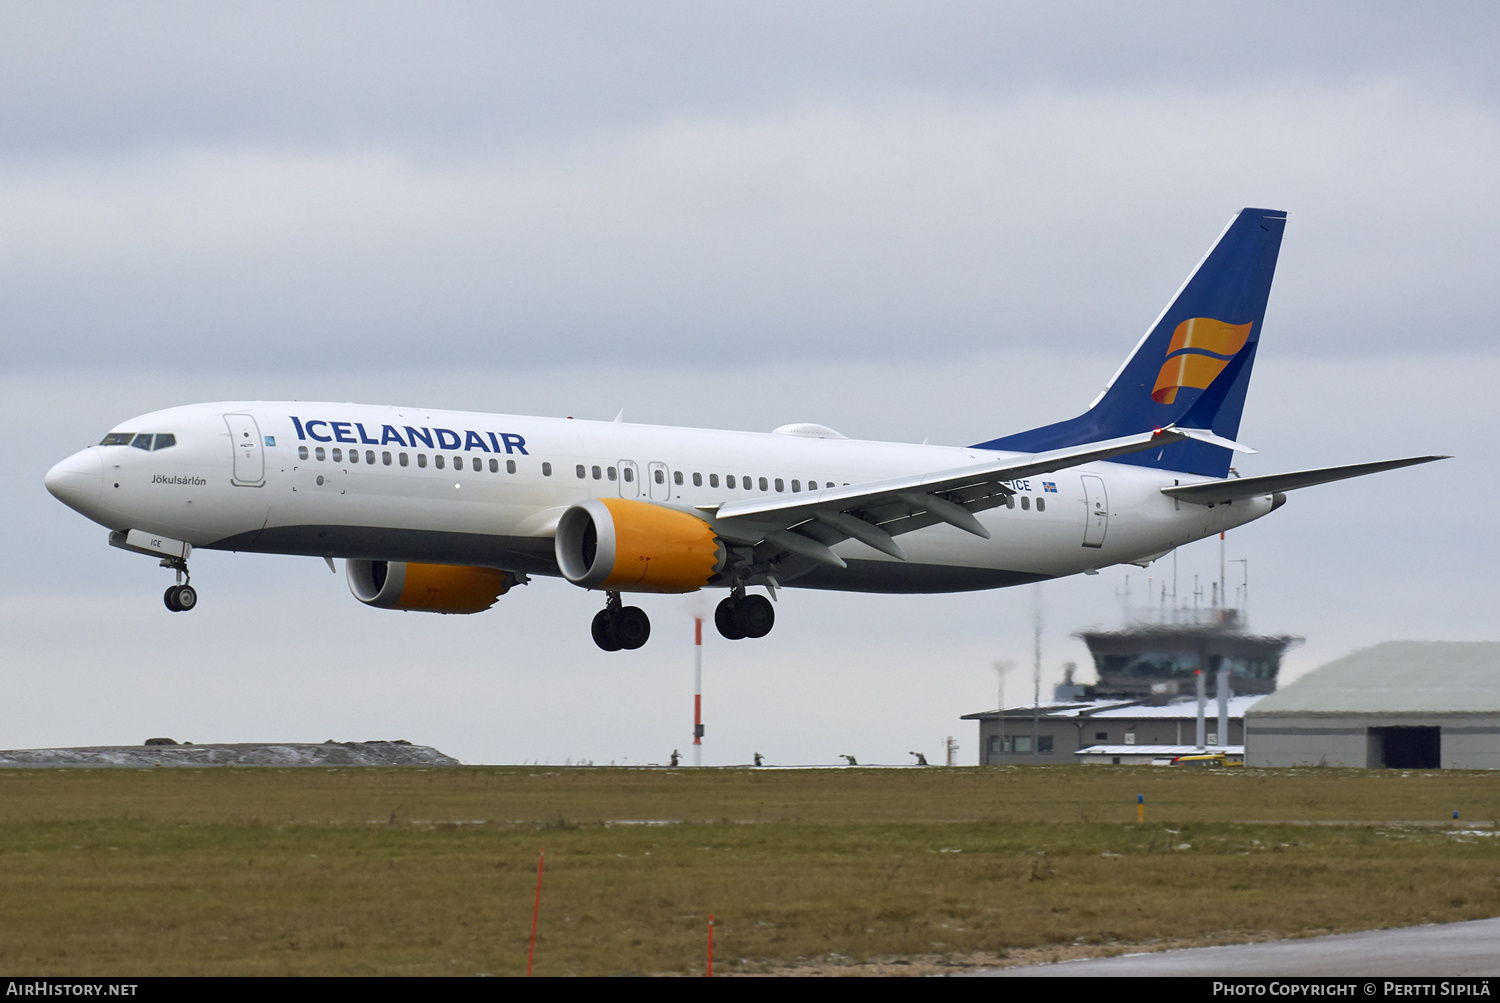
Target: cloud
x=925, y=227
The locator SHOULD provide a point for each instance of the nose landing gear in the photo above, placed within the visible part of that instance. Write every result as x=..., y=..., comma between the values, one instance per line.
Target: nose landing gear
x=180, y=597
x=616, y=626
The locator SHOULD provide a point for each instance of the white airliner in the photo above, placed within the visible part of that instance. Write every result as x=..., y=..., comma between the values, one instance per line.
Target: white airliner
x=446, y=511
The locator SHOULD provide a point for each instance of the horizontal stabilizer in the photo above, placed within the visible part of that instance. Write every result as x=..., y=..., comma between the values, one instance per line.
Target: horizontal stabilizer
x=1230, y=489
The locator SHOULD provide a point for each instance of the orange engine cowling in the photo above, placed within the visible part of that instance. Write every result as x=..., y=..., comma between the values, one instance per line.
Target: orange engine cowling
x=633, y=546
x=434, y=588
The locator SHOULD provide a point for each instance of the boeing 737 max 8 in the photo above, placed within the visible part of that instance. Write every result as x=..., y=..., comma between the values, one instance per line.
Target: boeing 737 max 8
x=446, y=511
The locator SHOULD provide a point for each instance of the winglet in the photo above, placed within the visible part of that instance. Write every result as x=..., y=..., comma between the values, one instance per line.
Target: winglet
x=1204, y=435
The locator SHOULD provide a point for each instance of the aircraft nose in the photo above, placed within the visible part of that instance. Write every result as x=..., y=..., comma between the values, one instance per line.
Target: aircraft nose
x=78, y=481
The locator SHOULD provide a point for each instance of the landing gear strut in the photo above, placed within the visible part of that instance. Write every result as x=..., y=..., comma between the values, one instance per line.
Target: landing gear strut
x=180, y=597
x=741, y=616
x=616, y=626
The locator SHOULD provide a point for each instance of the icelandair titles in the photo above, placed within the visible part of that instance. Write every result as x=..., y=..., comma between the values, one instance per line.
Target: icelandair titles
x=432, y=438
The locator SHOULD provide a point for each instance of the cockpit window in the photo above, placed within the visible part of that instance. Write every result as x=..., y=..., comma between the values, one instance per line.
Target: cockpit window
x=148, y=441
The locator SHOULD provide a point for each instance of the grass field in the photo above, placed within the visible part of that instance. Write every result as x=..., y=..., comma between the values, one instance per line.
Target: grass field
x=414, y=872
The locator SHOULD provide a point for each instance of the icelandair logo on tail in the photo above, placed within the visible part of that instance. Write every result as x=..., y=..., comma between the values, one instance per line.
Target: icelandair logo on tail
x=1201, y=347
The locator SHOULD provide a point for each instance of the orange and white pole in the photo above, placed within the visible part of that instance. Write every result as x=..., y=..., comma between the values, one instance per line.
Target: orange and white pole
x=536, y=908
x=697, y=691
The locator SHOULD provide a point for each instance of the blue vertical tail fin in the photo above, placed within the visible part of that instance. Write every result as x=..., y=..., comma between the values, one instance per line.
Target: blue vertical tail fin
x=1214, y=319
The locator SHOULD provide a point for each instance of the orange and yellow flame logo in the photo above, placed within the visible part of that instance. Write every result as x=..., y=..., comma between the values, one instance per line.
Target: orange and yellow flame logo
x=1201, y=347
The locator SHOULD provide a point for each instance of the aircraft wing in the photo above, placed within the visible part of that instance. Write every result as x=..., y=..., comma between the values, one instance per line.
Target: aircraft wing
x=1229, y=489
x=874, y=513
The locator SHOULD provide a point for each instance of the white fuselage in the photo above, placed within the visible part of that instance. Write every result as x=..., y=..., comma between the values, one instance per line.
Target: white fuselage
x=447, y=487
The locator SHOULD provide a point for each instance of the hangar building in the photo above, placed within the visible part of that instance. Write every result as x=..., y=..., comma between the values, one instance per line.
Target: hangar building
x=1403, y=704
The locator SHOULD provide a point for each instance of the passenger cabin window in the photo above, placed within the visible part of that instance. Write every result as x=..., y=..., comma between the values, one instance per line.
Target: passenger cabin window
x=385, y=458
x=338, y=455
x=596, y=473
x=370, y=456
x=796, y=485
x=763, y=485
x=677, y=477
x=728, y=481
x=437, y=461
x=713, y=481
x=629, y=475
x=546, y=469
x=353, y=456
x=319, y=454
x=611, y=473
x=494, y=466
x=661, y=478
x=780, y=486
x=697, y=480
x=117, y=439
x=510, y=466
x=1025, y=503
x=421, y=459
x=405, y=460
x=581, y=474
x=301, y=452
x=1041, y=504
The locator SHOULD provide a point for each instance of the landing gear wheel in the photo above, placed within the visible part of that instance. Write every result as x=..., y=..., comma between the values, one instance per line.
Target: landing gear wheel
x=170, y=598
x=604, y=636
x=726, y=618
x=187, y=597
x=632, y=627
x=755, y=615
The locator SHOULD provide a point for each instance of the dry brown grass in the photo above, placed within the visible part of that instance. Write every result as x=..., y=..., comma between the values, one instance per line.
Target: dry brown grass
x=263, y=871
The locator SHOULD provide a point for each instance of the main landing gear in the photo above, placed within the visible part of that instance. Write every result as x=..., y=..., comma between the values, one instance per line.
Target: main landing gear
x=180, y=597
x=742, y=616
x=616, y=626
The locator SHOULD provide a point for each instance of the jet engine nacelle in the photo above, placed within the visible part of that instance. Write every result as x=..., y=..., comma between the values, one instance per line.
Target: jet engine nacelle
x=633, y=546
x=433, y=588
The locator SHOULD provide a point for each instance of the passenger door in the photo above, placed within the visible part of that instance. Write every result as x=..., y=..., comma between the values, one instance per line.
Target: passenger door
x=249, y=453
x=1096, y=522
x=661, y=481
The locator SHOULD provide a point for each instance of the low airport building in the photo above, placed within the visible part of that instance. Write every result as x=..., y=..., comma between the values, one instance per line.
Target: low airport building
x=1402, y=704
x=1149, y=677
x=1117, y=732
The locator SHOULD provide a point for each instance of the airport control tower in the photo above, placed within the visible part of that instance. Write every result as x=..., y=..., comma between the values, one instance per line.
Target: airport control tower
x=1157, y=659
x=1156, y=656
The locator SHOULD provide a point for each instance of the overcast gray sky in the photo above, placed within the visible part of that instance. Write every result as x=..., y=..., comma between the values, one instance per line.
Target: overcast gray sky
x=901, y=220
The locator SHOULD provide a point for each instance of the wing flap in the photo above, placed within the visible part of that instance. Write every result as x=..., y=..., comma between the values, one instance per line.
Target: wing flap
x=978, y=487
x=808, y=525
